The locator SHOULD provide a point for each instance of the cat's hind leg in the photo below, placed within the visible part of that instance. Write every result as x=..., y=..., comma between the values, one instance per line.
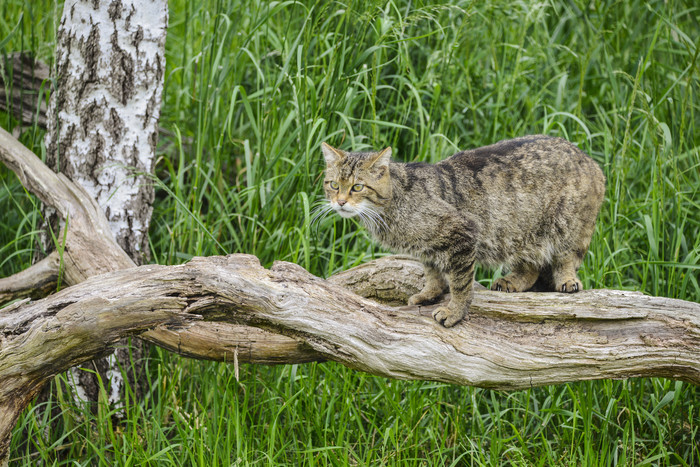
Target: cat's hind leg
x=435, y=286
x=522, y=278
x=564, y=273
x=566, y=262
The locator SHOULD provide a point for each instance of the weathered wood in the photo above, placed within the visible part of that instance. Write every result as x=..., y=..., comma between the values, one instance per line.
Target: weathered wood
x=509, y=341
x=90, y=249
x=232, y=343
x=391, y=280
x=36, y=281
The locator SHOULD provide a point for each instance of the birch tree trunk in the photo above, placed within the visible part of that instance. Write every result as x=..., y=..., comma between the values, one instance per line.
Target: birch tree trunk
x=103, y=128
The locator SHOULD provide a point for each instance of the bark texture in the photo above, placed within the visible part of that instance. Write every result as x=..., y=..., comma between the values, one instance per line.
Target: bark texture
x=104, y=112
x=102, y=133
x=24, y=96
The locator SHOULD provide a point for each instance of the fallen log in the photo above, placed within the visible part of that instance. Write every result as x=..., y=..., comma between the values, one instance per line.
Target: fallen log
x=233, y=309
x=508, y=341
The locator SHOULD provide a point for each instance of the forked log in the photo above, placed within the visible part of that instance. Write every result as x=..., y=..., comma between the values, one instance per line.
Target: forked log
x=212, y=308
x=90, y=249
x=509, y=341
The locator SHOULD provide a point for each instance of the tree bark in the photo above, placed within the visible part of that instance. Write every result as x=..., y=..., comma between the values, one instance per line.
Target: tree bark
x=102, y=134
x=104, y=111
x=23, y=95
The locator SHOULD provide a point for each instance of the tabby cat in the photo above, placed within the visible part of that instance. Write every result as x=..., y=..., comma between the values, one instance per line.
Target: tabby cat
x=528, y=203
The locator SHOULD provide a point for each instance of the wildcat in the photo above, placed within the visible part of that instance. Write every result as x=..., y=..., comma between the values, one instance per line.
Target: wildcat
x=529, y=204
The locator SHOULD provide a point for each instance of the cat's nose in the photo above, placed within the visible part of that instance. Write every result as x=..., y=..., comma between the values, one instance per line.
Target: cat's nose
x=341, y=202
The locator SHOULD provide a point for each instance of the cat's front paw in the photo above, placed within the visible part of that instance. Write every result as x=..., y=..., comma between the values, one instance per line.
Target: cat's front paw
x=502, y=284
x=447, y=316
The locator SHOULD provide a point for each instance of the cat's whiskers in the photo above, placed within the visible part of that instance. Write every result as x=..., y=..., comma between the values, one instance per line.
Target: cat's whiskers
x=367, y=220
x=319, y=213
x=374, y=219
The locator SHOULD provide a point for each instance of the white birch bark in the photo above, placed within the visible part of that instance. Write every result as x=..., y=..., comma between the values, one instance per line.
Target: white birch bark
x=103, y=128
x=106, y=106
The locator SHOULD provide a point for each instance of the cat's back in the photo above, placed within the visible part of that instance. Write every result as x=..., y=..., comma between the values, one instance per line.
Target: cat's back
x=523, y=171
x=527, y=156
x=528, y=195
x=519, y=171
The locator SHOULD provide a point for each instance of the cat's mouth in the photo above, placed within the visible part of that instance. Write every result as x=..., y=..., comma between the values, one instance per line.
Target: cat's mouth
x=345, y=211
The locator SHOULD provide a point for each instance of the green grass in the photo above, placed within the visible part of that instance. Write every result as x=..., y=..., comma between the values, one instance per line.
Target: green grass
x=251, y=90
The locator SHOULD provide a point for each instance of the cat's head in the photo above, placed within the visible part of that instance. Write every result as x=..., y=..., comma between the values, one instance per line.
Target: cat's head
x=357, y=183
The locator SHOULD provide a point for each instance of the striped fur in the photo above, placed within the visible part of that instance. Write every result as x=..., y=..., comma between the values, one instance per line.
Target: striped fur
x=528, y=203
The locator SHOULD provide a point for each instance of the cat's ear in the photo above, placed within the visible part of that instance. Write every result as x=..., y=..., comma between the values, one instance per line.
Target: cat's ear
x=331, y=154
x=381, y=158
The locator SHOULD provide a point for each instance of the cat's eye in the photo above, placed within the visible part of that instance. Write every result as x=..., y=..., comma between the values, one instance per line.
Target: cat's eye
x=357, y=187
x=334, y=185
